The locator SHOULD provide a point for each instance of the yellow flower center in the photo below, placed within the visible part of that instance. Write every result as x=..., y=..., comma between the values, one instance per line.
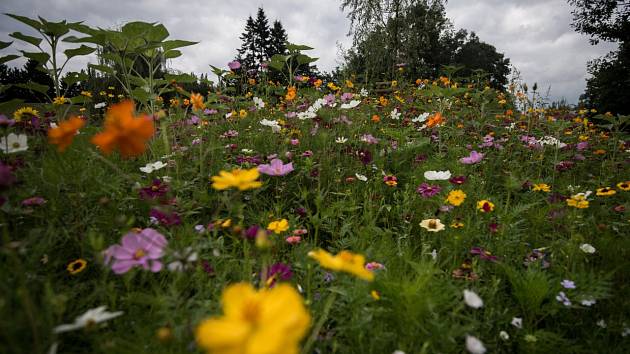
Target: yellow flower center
x=432, y=224
x=16, y=145
x=139, y=254
x=251, y=312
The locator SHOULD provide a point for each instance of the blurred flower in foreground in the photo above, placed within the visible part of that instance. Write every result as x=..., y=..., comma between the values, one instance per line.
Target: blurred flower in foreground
x=124, y=131
x=270, y=321
x=62, y=135
x=88, y=319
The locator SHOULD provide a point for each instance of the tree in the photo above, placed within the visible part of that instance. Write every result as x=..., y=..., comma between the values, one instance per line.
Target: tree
x=477, y=55
x=609, y=20
x=278, y=42
x=257, y=42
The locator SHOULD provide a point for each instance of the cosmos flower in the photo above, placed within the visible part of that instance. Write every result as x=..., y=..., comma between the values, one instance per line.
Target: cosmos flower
x=473, y=158
x=276, y=168
x=432, y=225
x=241, y=179
x=437, y=175
x=62, y=135
x=472, y=299
x=13, y=143
x=427, y=190
x=90, y=318
x=344, y=261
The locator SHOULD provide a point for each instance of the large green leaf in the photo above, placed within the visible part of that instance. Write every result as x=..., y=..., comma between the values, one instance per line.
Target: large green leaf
x=10, y=106
x=4, y=44
x=34, y=87
x=29, y=39
x=305, y=59
x=7, y=58
x=73, y=78
x=79, y=100
x=103, y=68
x=56, y=29
x=137, y=29
x=82, y=50
x=39, y=57
x=172, y=54
x=177, y=43
x=293, y=47
x=140, y=94
x=157, y=34
x=33, y=23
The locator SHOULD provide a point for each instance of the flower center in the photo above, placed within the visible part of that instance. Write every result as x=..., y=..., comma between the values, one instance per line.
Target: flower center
x=432, y=224
x=16, y=145
x=139, y=254
x=251, y=312
x=154, y=188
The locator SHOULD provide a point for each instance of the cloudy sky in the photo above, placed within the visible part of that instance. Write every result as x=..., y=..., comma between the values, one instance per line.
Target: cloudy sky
x=534, y=34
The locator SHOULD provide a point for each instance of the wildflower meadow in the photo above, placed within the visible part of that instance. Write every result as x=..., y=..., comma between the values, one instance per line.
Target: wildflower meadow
x=288, y=212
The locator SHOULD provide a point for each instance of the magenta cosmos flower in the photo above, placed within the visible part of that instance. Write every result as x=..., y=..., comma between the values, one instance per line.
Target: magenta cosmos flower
x=276, y=168
x=473, y=158
x=234, y=65
x=427, y=190
x=143, y=249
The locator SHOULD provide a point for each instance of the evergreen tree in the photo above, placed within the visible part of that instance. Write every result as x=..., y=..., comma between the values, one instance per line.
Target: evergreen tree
x=256, y=45
x=278, y=41
x=245, y=53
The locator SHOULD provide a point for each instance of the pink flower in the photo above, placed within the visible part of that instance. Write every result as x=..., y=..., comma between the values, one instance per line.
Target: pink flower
x=294, y=240
x=234, y=65
x=142, y=249
x=33, y=201
x=473, y=158
x=295, y=141
x=276, y=168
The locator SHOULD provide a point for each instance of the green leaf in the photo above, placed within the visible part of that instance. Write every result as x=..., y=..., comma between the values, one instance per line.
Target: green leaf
x=33, y=23
x=157, y=34
x=172, y=54
x=79, y=99
x=73, y=78
x=217, y=71
x=177, y=43
x=305, y=59
x=7, y=58
x=34, y=87
x=140, y=94
x=293, y=47
x=102, y=68
x=56, y=29
x=82, y=50
x=10, y=106
x=181, y=78
x=39, y=57
x=137, y=80
x=276, y=65
x=137, y=29
x=29, y=39
x=4, y=44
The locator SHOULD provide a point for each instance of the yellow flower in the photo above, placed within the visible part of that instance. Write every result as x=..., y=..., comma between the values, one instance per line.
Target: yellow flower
x=432, y=225
x=456, y=197
x=383, y=101
x=624, y=186
x=375, y=295
x=318, y=83
x=344, y=261
x=241, y=179
x=485, y=206
x=197, y=101
x=24, y=113
x=578, y=201
x=394, y=83
x=242, y=113
x=252, y=82
x=349, y=84
x=291, y=93
x=86, y=93
x=76, y=267
x=269, y=321
x=605, y=191
x=278, y=226
x=332, y=86
x=541, y=187
x=58, y=101
x=457, y=225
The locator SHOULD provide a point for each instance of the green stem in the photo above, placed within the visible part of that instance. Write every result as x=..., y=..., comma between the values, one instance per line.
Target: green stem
x=318, y=326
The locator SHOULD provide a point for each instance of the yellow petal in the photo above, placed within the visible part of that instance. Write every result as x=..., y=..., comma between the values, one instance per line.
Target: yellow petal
x=222, y=335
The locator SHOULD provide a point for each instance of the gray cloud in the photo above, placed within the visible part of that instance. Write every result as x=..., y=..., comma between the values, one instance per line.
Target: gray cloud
x=536, y=35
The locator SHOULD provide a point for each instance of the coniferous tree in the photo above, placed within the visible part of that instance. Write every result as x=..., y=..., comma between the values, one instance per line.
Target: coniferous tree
x=279, y=39
x=245, y=55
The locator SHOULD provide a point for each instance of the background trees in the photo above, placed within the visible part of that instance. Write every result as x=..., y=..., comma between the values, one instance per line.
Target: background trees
x=608, y=88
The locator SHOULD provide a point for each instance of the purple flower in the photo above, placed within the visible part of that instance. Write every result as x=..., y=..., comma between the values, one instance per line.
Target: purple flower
x=582, y=145
x=278, y=271
x=307, y=153
x=33, y=201
x=6, y=175
x=234, y=65
x=473, y=158
x=368, y=138
x=276, y=168
x=458, y=180
x=142, y=249
x=567, y=284
x=5, y=121
x=165, y=218
x=536, y=256
x=564, y=165
x=157, y=189
x=427, y=190
x=210, y=111
x=194, y=120
x=251, y=232
x=483, y=254
x=330, y=99
x=365, y=156
x=562, y=297
x=347, y=96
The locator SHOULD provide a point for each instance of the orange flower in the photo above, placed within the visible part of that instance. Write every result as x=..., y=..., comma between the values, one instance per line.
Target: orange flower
x=435, y=120
x=124, y=131
x=291, y=93
x=62, y=135
x=376, y=118
x=197, y=101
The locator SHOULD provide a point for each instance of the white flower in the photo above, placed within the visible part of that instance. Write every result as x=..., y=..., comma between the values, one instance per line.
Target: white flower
x=587, y=248
x=395, y=115
x=550, y=140
x=350, y=104
x=91, y=317
x=167, y=179
x=100, y=105
x=184, y=259
x=517, y=322
x=601, y=323
x=434, y=254
x=273, y=124
x=341, y=140
x=437, y=175
x=421, y=118
x=472, y=299
x=247, y=151
x=260, y=104
x=361, y=177
x=150, y=167
x=13, y=143
x=504, y=335
x=474, y=345
x=588, y=302
x=363, y=92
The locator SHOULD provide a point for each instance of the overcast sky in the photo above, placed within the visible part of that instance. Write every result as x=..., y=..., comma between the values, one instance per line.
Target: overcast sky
x=534, y=34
